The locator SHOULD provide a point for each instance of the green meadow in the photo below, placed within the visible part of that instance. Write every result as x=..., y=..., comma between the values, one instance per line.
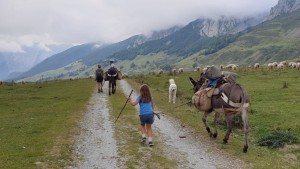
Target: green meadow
x=274, y=107
x=38, y=121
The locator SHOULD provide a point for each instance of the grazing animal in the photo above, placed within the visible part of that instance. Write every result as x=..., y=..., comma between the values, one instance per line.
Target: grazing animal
x=221, y=67
x=124, y=75
x=232, y=99
x=112, y=77
x=232, y=67
x=174, y=72
x=298, y=65
x=172, y=91
x=280, y=66
x=270, y=66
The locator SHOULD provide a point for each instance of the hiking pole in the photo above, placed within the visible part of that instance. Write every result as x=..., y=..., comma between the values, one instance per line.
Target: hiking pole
x=157, y=115
x=124, y=105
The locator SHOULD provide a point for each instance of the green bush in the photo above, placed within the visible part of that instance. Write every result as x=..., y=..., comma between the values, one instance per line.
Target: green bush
x=277, y=139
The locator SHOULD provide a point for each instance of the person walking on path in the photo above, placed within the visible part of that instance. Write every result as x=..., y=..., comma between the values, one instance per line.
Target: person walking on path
x=146, y=104
x=99, y=78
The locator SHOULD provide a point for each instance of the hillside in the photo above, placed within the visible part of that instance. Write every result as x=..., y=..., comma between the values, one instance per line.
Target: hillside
x=61, y=59
x=201, y=42
x=273, y=40
x=209, y=35
x=89, y=54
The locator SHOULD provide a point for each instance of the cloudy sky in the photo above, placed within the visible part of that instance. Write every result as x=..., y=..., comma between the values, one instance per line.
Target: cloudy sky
x=25, y=22
x=28, y=23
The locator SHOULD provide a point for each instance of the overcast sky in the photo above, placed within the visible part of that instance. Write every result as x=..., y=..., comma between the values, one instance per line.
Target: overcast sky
x=25, y=22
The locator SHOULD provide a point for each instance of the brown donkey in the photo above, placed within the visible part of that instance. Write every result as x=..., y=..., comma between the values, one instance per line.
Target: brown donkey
x=231, y=100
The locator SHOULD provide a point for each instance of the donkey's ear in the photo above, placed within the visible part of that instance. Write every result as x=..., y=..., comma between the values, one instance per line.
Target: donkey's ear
x=193, y=81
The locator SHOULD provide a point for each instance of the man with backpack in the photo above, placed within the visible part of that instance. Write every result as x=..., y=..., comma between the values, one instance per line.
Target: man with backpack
x=99, y=78
x=112, y=70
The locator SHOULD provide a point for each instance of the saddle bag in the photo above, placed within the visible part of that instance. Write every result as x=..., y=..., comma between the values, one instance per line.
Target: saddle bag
x=202, y=99
x=119, y=75
x=105, y=76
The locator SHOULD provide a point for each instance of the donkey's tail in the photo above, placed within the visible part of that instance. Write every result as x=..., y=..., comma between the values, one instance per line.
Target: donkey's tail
x=243, y=96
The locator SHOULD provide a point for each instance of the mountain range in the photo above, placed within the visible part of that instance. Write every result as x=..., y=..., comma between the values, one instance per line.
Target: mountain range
x=263, y=38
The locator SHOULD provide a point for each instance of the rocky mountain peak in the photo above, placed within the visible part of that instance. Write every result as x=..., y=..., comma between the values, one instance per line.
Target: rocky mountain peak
x=227, y=25
x=284, y=6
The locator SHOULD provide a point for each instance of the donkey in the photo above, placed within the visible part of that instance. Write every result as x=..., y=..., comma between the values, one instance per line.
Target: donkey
x=231, y=100
x=112, y=82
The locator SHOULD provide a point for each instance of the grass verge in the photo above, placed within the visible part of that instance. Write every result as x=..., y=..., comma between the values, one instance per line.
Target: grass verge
x=38, y=121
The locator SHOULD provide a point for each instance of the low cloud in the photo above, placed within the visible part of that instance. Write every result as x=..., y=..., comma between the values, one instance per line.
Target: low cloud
x=81, y=21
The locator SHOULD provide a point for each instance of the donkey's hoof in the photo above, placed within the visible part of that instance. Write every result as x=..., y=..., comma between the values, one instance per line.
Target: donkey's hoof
x=208, y=130
x=245, y=149
x=225, y=141
x=215, y=135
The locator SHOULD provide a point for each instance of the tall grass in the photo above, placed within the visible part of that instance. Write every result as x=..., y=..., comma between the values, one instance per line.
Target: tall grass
x=38, y=121
x=273, y=108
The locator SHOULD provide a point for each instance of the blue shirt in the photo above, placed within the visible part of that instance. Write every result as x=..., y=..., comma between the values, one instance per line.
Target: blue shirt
x=213, y=82
x=145, y=108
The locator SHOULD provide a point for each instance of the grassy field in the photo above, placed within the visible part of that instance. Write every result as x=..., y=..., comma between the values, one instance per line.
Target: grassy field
x=38, y=122
x=273, y=108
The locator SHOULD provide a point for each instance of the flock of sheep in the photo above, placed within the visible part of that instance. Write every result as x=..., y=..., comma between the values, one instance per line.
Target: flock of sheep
x=273, y=65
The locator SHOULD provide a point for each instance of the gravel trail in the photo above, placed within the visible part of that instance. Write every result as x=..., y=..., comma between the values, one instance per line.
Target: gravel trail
x=194, y=151
x=96, y=146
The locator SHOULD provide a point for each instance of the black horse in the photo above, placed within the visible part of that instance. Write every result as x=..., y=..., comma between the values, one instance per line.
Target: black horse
x=231, y=100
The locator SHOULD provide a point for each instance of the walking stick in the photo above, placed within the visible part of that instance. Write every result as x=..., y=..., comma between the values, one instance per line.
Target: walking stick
x=124, y=105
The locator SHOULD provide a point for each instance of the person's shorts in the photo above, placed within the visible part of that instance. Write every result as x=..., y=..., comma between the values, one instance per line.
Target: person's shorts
x=147, y=119
x=99, y=79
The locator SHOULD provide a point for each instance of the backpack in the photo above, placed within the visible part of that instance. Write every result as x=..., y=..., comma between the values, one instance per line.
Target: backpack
x=99, y=73
x=112, y=71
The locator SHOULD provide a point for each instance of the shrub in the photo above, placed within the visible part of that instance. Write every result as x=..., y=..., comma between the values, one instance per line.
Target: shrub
x=277, y=139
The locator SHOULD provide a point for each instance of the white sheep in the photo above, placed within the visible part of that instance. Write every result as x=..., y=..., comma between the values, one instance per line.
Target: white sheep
x=232, y=67
x=284, y=63
x=270, y=65
x=293, y=65
x=174, y=71
x=298, y=65
x=280, y=66
x=124, y=75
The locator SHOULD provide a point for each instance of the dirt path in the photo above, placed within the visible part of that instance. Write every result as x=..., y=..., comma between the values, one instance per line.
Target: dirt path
x=97, y=147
